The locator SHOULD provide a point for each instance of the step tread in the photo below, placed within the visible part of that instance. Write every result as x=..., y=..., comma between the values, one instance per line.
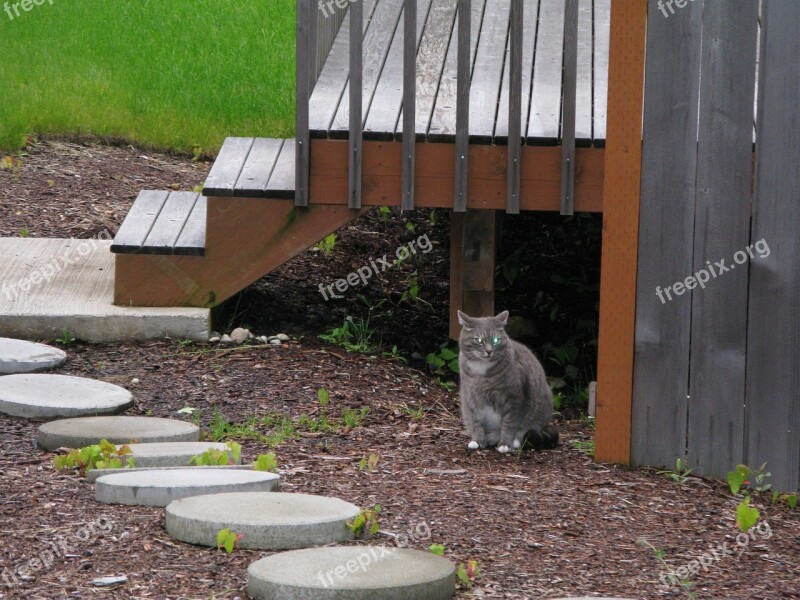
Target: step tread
x=253, y=168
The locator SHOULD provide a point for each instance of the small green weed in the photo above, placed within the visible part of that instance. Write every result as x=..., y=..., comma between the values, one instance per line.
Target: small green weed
x=266, y=462
x=584, y=447
x=66, y=337
x=365, y=521
x=327, y=244
x=442, y=361
x=437, y=549
x=681, y=473
x=227, y=539
x=104, y=455
x=353, y=417
x=369, y=462
x=217, y=457
x=468, y=573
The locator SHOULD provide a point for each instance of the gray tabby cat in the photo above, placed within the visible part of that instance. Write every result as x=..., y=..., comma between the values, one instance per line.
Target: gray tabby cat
x=505, y=399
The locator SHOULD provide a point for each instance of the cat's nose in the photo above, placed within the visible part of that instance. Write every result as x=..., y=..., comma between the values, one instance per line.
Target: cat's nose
x=488, y=350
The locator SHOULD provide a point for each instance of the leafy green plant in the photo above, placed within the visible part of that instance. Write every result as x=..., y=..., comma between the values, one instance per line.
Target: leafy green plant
x=217, y=457
x=746, y=515
x=228, y=539
x=414, y=413
x=365, y=521
x=195, y=413
x=221, y=428
x=442, y=361
x=327, y=244
x=394, y=353
x=412, y=288
x=385, y=213
x=680, y=474
x=104, y=455
x=324, y=396
x=354, y=335
x=66, y=337
x=24, y=232
x=789, y=499
x=353, y=417
x=369, y=462
x=266, y=462
x=437, y=549
x=11, y=163
x=468, y=573
x=686, y=584
x=584, y=447
x=411, y=226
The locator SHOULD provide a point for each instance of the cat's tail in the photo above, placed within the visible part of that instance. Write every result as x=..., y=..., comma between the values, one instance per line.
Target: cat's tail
x=546, y=439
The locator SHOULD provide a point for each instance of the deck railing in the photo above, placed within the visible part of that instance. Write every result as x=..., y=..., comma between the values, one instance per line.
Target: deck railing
x=314, y=40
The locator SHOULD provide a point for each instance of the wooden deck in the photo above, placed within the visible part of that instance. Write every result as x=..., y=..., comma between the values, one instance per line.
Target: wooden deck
x=437, y=50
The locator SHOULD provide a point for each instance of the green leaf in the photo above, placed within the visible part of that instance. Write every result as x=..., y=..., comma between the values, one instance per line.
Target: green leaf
x=746, y=515
x=266, y=462
x=236, y=451
x=131, y=462
x=448, y=354
x=791, y=500
x=735, y=480
x=324, y=396
x=437, y=549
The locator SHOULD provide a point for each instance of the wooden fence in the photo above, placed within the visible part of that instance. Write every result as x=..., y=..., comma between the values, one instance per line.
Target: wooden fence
x=717, y=363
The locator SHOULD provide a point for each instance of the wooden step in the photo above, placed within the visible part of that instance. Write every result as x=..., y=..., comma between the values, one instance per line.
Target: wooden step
x=164, y=223
x=253, y=168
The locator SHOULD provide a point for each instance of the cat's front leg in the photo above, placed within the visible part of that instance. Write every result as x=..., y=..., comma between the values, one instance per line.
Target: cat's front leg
x=510, y=440
x=478, y=436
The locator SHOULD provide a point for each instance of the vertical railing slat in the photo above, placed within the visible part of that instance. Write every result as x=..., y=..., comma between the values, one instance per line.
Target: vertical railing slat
x=515, y=107
x=462, y=105
x=568, y=107
x=356, y=103
x=409, y=101
x=303, y=92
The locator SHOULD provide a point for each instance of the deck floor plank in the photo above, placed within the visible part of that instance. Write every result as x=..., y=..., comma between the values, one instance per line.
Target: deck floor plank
x=281, y=182
x=170, y=222
x=545, y=114
x=601, y=28
x=227, y=167
x=139, y=221
x=583, y=97
x=192, y=239
x=253, y=179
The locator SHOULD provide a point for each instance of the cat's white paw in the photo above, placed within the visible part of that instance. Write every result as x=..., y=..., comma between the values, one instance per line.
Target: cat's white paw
x=516, y=444
x=503, y=449
x=473, y=445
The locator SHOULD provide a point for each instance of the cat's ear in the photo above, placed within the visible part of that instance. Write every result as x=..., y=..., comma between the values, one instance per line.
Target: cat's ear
x=502, y=319
x=464, y=319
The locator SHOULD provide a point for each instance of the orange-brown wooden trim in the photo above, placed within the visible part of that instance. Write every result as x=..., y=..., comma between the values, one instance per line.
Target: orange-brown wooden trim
x=620, y=231
x=434, y=177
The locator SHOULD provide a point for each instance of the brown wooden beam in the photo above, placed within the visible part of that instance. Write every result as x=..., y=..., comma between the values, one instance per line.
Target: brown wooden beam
x=620, y=231
x=540, y=177
x=246, y=238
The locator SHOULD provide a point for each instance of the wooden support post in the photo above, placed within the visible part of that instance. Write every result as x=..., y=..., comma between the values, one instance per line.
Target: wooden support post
x=620, y=231
x=473, y=241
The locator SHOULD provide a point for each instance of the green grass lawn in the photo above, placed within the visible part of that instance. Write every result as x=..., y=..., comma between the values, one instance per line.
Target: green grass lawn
x=173, y=74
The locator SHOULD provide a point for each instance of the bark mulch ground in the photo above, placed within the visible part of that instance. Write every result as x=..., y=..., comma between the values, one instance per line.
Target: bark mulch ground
x=540, y=525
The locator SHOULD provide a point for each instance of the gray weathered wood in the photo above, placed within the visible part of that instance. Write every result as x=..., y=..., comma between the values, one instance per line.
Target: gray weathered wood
x=227, y=167
x=443, y=120
x=583, y=87
x=722, y=226
x=543, y=121
x=773, y=341
x=387, y=102
x=333, y=78
x=462, y=106
x=666, y=223
x=514, y=106
x=376, y=43
x=409, y=101
x=281, y=182
x=355, y=158
x=328, y=22
x=252, y=181
x=169, y=224
x=531, y=20
x=570, y=79
x=488, y=71
x=138, y=222
x=602, y=26
x=303, y=70
x=192, y=239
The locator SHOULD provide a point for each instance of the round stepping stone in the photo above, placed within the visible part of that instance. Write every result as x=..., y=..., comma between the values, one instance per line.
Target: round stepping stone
x=273, y=521
x=174, y=454
x=85, y=431
x=19, y=356
x=58, y=396
x=159, y=488
x=352, y=573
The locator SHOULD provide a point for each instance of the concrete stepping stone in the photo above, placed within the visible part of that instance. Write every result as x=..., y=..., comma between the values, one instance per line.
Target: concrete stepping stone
x=352, y=573
x=19, y=356
x=85, y=431
x=159, y=488
x=48, y=396
x=95, y=474
x=174, y=454
x=272, y=521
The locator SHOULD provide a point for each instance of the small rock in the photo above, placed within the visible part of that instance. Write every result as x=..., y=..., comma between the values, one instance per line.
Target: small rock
x=275, y=342
x=240, y=335
x=214, y=334
x=272, y=337
x=262, y=339
x=108, y=581
x=135, y=381
x=226, y=339
x=213, y=339
x=282, y=337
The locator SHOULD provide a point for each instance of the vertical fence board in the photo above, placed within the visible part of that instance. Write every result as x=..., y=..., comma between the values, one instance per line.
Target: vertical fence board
x=666, y=222
x=722, y=226
x=773, y=343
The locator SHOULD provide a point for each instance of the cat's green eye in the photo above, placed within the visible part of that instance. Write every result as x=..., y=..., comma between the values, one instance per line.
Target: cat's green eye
x=479, y=340
x=496, y=340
